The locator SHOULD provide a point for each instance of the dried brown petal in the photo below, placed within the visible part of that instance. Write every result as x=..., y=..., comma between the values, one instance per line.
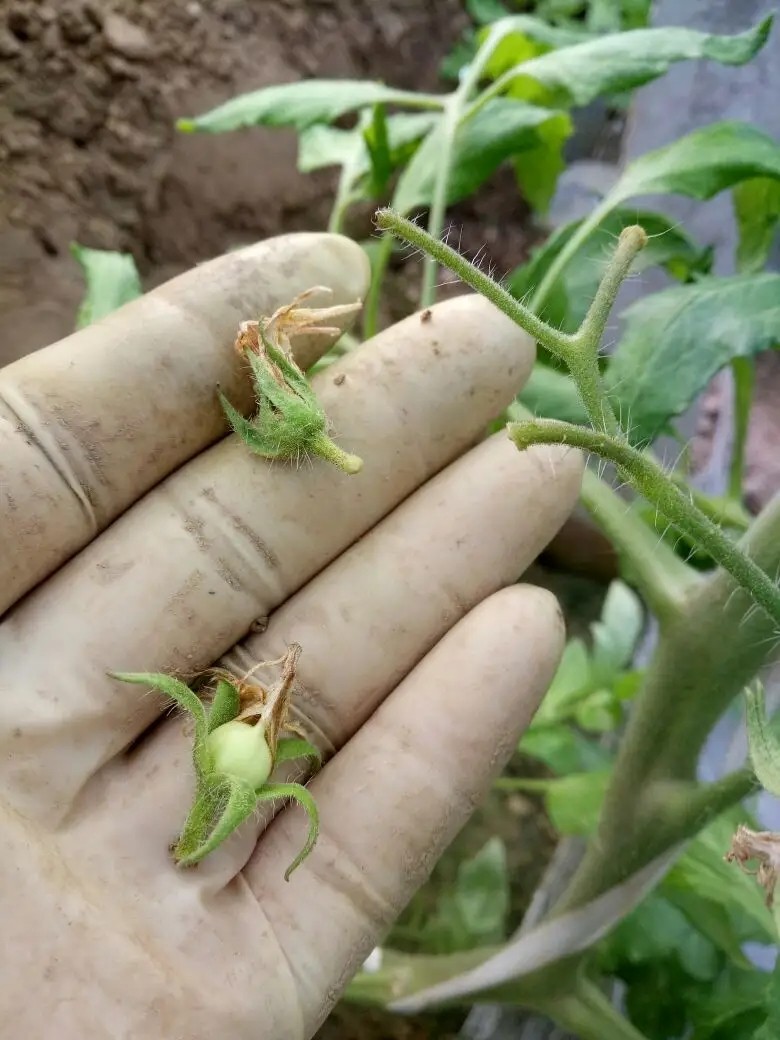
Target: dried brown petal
x=762, y=847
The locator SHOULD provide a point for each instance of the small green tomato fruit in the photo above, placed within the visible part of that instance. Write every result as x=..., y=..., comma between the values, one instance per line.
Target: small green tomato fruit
x=241, y=751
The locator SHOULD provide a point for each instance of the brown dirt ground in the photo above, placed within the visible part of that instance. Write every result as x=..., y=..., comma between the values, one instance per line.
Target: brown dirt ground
x=89, y=92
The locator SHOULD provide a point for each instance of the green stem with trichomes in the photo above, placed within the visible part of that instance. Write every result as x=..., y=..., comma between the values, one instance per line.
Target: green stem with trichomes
x=648, y=562
x=556, y=342
x=743, y=372
x=454, y=115
x=578, y=351
x=379, y=264
x=652, y=483
x=704, y=659
x=327, y=449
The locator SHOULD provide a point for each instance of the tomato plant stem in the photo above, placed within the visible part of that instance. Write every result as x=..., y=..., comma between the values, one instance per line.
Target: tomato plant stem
x=555, y=341
x=454, y=116
x=652, y=483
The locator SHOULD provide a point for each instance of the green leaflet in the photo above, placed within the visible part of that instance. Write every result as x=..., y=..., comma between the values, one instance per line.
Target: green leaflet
x=701, y=164
x=668, y=246
x=577, y=74
x=302, y=104
x=497, y=131
x=112, y=280
x=675, y=341
x=757, y=209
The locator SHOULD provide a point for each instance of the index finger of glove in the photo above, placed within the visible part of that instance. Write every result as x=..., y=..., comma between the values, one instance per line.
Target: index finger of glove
x=90, y=424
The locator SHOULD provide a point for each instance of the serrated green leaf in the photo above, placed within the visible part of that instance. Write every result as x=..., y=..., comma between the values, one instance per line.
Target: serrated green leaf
x=578, y=74
x=757, y=210
x=676, y=340
x=112, y=280
x=668, y=246
x=301, y=105
x=499, y=130
x=701, y=164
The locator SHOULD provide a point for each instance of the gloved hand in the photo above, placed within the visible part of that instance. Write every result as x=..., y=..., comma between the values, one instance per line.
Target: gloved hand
x=136, y=536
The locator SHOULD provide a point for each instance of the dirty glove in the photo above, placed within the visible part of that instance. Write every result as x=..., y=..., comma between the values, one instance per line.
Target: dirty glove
x=136, y=536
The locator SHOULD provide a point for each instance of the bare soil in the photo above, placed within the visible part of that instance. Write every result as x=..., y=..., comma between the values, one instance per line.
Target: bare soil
x=89, y=92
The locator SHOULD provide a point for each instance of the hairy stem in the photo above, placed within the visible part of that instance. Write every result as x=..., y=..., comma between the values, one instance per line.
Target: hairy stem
x=659, y=574
x=725, y=511
x=584, y=368
x=331, y=452
x=556, y=342
x=632, y=241
x=711, y=652
x=453, y=117
x=378, y=269
x=580, y=351
x=675, y=809
x=743, y=371
x=449, y=128
x=586, y=342
x=650, y=481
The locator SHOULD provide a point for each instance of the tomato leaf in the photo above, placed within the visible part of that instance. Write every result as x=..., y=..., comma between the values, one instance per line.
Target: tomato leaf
x=577, y=74
x=701, y=164
x=300, y=105
x=112, y=280
x=321, y=145
x=497, y=131
x=537, y=168
x=757, y=209
x=676, y=340
x=668, y=246
x=563, y=749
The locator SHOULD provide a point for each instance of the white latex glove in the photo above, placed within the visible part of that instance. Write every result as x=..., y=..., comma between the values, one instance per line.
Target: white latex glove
x=135, y=536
